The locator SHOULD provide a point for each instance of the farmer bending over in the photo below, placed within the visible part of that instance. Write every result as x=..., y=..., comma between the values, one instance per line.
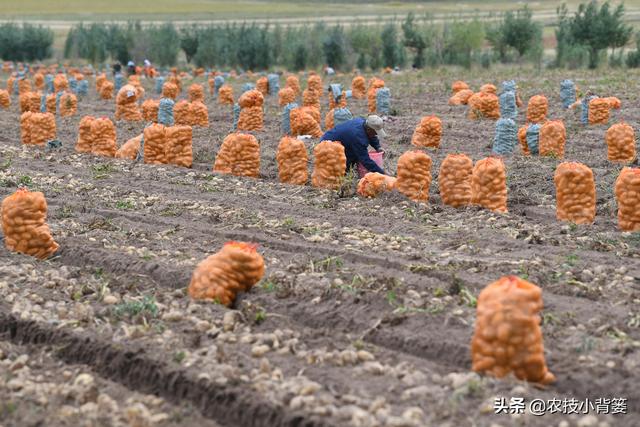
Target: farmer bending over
x=356, y=135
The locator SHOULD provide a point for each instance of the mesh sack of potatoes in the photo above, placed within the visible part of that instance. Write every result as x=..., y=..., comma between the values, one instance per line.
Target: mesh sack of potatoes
x=329, y=165
x=68, y=105
x=627, y=192
x=104, y=137
x=537, y=109
x=575, y=193
x=155, y=144
x=489, y=184
x=373, y=184
x=150, y=109
x=130, y=149
x=621, y=143
x=428, y=133
x=414, y=175
x=239, y=155
x=179, y=146
x=454, y=180
x=84, y=143
x=24, y=215
x=552, y=138
x=292, y=161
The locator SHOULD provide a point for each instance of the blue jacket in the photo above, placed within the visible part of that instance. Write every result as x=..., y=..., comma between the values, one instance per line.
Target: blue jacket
x=356, y=143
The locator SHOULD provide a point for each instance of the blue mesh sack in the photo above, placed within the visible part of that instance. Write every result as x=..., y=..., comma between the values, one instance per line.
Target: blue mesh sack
x=286, y=119
x=508, y=107
x=236, y=115
x=73, y=84
x=83, y=87
x=58, y=96
x=248, y=86
x=140, y=155
x=348, y=94
x=48, y=83
x=584, y=116
x=341, y=115
x=118, y=81
x=165, y=111
x=336, y=90
x=159, y=83
x=533, y=136
x=506, y=136
x=383, y=101
x=509, y=86
x=567, y=93
x=218, y=81
x=274, y=83
x=43, y=103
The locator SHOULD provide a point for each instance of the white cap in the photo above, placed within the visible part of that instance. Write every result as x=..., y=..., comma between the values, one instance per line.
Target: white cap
x=376, y=123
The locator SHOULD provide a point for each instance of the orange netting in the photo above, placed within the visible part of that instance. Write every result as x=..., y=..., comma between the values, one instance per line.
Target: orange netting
x=454, y=180
x=575, y=193
x=414, y=175
x=239, y=155
x=489, y=184
x=292, y=161
x=329, y=166
x=627, y=191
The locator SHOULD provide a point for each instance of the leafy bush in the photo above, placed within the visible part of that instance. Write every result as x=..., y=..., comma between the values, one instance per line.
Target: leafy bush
x=25, y=43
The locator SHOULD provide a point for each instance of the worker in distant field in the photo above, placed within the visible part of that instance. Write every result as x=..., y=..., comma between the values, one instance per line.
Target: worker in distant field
x=356, y=135
x=131, y=68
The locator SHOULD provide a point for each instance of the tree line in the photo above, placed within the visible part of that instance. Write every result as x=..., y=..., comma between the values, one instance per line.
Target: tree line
x=584, y=38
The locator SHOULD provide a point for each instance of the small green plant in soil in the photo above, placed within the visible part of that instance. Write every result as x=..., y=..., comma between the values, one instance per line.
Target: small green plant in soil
x=146, y=307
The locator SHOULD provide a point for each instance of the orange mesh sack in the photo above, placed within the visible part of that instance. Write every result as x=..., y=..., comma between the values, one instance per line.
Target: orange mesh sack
x=303, y=123
x=374, y=84
x=196, y=93
x=575, y=193
x=155, y=144
x=552, y=139
x=311, y=98
x=225, y=95
x=175, y=80
x=314, y=112
x=489, y=184
x=522, y=139
x=489, y=88
x=458, y=85
x=286, y=95
x=5, y=99
x=106, y=90
x=38, y=80
x=25, y=127
x=342, y=103
x=428, y=132
x=126, y=104
x=68, y=105
x=627, y=191
x=414, y=175
x=251, y=114
x=293, y=83
x=60, y=83
x=42, y=128
x=328, y=120
x=182, y=113
x=199, y=114
x=100, y=79
x=24, y=86
x=30, y=101
x=614, y=103
x=24, y=215
x=239, y=155
x=150, y=110
x=537, y=109
x=329, y=166
x=374, y=184
x=621, y=143
x=130, y=149
x=358, y=87
x=454, y=180
x=170, y=90
x=484, y=105
x=599, y=111
x=314, y=83
x=85, y=135
x=235, y=268
x=507, y=337
x=263, y=85
x=461, y=97
x=104, y=137
x=50, y=102
x=179, y=146
x=292, y=161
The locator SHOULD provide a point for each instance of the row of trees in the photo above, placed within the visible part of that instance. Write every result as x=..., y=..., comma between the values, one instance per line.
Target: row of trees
x=25, y=43
x=583, y=39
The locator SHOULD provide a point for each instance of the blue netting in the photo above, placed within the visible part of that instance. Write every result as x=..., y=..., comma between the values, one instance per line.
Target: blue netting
x=58, y=96
x=218, y=81
x=508, y=107
x=274, y=83
x=159, y=83
x=286, y=120
x=118, y=81
x=83, y=87
x=165, y=111
x=43, y=104
x=336, y=90
x=248, y=86
x=341, y=115
x=383, y=101
x=584, y=116
x=509, y=86
x=73, y=85
x=348, y=94
x=48, y=83
x=236, y=115
x=140, y=155
x=567, y=93
x=533, y=135
x=506, y=136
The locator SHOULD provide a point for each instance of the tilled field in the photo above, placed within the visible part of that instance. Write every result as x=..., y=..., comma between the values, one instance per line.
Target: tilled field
x=367, y=308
